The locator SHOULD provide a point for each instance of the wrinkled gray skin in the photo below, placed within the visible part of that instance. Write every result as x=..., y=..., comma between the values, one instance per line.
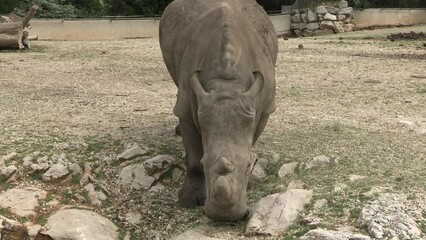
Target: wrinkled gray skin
x=221, y=55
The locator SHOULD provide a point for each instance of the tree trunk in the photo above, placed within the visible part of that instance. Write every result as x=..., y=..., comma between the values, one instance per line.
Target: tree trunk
x=12, y=33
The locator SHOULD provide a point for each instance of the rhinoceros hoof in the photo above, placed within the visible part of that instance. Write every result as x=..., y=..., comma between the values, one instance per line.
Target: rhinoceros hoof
x=193, y=193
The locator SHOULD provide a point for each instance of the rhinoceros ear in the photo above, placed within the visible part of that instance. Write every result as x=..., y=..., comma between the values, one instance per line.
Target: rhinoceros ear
x=257, y=85
x=197, y=87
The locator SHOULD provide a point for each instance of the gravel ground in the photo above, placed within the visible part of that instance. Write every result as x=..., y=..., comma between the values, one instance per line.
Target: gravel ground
x=356, y=97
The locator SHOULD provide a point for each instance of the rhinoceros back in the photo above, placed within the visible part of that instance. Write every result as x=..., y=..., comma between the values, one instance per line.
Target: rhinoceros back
x=182, y=17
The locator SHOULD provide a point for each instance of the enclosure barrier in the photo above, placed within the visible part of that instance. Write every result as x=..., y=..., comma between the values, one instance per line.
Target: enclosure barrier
x=113, y=29
x=375, y=17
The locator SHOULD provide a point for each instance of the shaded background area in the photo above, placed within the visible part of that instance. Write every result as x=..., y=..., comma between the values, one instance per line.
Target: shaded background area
x=150, y=8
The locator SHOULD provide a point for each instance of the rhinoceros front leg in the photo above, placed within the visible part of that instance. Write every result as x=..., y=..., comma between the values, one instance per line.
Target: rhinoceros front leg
x=193, y=192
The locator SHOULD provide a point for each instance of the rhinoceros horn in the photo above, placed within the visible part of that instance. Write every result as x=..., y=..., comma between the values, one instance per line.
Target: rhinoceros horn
x=196, y=86
x=224, y=166
x=257, y=85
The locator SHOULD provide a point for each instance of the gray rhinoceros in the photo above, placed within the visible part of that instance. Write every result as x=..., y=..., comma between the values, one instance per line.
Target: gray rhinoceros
x=221, y=55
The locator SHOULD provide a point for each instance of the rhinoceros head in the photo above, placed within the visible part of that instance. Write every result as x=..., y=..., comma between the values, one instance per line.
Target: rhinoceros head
x=227, y=122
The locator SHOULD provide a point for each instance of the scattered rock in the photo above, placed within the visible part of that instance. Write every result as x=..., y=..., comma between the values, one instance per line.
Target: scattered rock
x=22, y=201
x=312, y=220
x=157, y=165
x=325, y=234
x=33, y=230
x=393, y=216
x=287, y=169
x=321, y=10
x=7, y=172
x=96, y=197
x=375, y=190
x=135, y=176
x=75, y=168
x=131, y=152
x=313, y=26
x=319, y=204
x=330, y=17
x=353, y=178
x=42, y=165
x=340, y=187
x=300, y=46
x=348, y=27
x=273, y=214
x=343, y=4
x=133, y=218
x=12, y=230
x=312, y=17
x=27, y=161
x=79, y=224
x=56, y=172
x=346, y=11
x=258, y=171
x=177, y=174
x=8, y=157
x=296, y=184
x=87, y=174
x=338, y=27
x=194, y=234
x=318, y=162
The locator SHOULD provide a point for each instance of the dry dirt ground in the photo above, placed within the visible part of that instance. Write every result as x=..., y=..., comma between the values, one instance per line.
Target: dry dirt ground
x=357, y=98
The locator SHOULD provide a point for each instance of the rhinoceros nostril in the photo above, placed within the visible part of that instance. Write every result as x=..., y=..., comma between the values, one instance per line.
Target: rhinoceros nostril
x=224, y=166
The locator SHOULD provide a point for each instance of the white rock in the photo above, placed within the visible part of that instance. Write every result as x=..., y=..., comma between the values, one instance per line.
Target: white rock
x=287, y=169
x=338, y=27
x=346, y=11
x=135, y=176
x=343, y=4
x=296, y=184
x=8, y=171
x=313, y=26
x=319, y=204
x=340, y=187
x=348, y=27
x=22, y=201
x=332, y=10
x=312, y=17
x=177, y=173
x=33, y=230
x=392, y=215
x=8, y=157
x=12, y=229
x=132, y=152
x=96, y=197
x=133, y=218
x=75, y=168
x=318, y=162
x=325, y=234
x=321, y=10
x=258, y=170
x=273, y=214
x=194, y=234
x=354, y=177
x=57, y=171
x=27, y=161
x=158, y=165
x=304, y=17
x=330, y=17
x=79, y=224
x=296, y=18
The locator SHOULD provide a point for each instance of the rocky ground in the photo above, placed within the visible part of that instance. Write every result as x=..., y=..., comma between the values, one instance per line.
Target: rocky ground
x=87, y=143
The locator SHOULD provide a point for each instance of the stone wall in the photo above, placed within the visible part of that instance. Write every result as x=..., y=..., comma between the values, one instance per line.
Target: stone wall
x=323, y=20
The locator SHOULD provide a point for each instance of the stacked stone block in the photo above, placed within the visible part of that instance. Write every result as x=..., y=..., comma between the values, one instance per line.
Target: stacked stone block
x=323, y=20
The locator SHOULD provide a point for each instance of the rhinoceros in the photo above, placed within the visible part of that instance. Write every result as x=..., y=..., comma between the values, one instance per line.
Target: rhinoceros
x=221, y=56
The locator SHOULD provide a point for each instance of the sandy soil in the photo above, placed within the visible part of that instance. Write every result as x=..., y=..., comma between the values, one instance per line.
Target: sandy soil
x=355, y=96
